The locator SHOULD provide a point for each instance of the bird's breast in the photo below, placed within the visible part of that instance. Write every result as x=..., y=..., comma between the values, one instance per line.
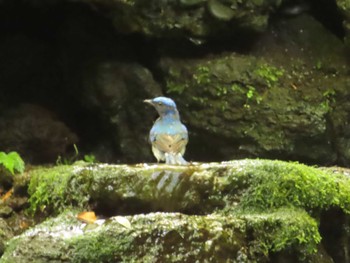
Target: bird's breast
x=167, y=127
x=170, y=143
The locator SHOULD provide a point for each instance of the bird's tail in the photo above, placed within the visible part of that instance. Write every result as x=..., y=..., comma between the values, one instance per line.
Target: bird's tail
x=175, y=158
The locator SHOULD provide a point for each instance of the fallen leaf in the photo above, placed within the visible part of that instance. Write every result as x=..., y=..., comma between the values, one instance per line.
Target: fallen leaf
x=7, y=195
x=294, y=86
x=123, y=221
x=23, y=225
x=88, y=217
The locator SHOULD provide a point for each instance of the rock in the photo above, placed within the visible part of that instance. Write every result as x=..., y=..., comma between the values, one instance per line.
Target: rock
x=95, y=61
x=344, y=6
x=220, y=11
x=5, y=234
x=35, y=133
x=244, y=210
x=262, y=104
x=197, y=188
x=5, y=210
x=116, y=91
x=163, y=237
x=179, y=18
x=104, y=85
x=304, y=38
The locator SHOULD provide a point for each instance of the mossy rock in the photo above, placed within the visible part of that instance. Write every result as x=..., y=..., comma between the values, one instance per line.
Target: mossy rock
x=245, y=210
x=188, y=18
x=262, y=104
x=344, y=7
x=195, y=189
x=5, y=234
x=246, y=104
x=167, y=237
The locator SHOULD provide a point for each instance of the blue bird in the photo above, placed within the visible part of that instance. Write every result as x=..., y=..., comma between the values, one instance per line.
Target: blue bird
x=168, y=135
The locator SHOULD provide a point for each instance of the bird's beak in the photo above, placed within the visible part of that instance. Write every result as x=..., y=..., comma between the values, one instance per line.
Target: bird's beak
x=148, y=101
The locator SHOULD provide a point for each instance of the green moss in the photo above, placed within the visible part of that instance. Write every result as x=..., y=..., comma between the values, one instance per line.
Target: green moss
x=174, y=87
x=201, y=100
x=329, y=100
x=283, y=229
x=101, y=248
x=269, y=74
x=162, y=237
x=202, y=75
x=276, y=184
x=240, y=209
x=260, y=185
x=171, y=237
x=50, y=189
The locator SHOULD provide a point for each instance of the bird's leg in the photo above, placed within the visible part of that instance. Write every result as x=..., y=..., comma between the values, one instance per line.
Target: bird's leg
x=169, y=158
x=180, y=159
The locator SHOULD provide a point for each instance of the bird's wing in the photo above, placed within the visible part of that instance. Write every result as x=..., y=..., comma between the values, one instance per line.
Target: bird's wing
x=170, y=143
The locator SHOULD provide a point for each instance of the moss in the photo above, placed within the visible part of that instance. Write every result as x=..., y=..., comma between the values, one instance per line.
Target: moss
x=269, y=185
x=276, y=184
x=260, y=185
x=170, y=237
x=329, y=100
x=188, y=18
x=5, y=234
x=41, y=248
x=256, y=106
x=202, y=75
x=224, y=82
x=249, y=208
x=162, y=237
x=172, y=83
x=112, y=187
x=283, y=229
x=173, y=87
x=269, y=74
x=50, y=189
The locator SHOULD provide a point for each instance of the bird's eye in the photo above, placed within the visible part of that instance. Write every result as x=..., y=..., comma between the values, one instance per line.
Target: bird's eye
x=160, y=104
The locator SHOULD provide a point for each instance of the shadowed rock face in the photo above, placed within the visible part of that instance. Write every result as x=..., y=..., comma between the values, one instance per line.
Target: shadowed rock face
x=255, y=81
x=78, y=67
x=264, y=104
x=35, y=133
x=245, y=211
x=344, y=6
x=188, y=18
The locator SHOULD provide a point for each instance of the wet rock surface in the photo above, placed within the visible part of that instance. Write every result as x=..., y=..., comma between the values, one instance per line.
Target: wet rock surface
x=248, y=210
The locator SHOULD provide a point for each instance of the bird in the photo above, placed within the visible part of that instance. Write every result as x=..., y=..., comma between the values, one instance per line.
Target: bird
x=168, y=136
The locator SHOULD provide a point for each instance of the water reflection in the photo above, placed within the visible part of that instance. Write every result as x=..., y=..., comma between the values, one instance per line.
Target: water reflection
x=171, y=190
x=167, y=180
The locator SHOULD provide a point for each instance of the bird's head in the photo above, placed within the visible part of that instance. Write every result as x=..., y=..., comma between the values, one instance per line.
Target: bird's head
x=163, y=105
